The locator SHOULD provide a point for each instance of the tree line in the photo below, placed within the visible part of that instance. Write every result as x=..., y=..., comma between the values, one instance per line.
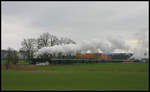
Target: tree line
x=31, y=45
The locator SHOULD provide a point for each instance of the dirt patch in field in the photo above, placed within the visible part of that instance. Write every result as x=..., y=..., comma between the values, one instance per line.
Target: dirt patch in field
x=33, y=68
x=19, y=67
x=80, y=71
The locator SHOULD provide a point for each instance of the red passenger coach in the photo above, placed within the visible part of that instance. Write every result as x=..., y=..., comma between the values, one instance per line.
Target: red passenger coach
x=93, y=56
x=88, y=56
x=105, y=57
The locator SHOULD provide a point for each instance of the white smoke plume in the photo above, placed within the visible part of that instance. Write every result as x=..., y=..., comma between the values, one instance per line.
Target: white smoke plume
x=116, y=43
x=142, y=49
x=93, y=46
x=67, y=49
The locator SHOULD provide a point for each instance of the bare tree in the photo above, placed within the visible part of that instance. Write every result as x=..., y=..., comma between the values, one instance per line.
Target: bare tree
x=23, y=54
x=66, y=41
x=15, y=57
x=29, y=47
x=8, y=58
x=46, y=39
x=43, y=40
x=53, y=40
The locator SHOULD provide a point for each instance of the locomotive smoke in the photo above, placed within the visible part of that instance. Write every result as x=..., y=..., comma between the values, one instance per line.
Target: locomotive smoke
x=98, y=46
x=141, y=51
x=93, y=46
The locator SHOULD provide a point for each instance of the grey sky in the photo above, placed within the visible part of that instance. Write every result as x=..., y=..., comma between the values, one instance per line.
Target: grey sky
x=76, y=20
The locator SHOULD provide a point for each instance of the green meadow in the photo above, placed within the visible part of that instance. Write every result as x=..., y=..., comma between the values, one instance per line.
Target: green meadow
x=100, y=76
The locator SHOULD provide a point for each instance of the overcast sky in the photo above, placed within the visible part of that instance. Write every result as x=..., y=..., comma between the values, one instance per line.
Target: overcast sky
x=76, y=20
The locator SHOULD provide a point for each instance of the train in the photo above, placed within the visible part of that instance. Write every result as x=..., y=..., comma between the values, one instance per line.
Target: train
x=87, y=58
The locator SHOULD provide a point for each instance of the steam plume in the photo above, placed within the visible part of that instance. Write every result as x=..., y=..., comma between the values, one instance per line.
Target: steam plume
x=93, y=46
x=141, y=51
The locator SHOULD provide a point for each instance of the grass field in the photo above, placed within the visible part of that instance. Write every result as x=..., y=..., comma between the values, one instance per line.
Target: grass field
x=102, y=76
